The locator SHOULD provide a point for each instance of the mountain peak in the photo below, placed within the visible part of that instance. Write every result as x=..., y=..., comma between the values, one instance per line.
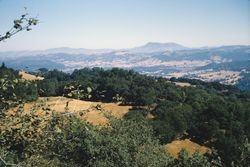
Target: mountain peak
x=158, y=47
x=160, y=43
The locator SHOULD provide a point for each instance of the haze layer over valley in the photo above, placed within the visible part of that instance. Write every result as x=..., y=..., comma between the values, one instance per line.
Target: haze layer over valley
x=226, y=64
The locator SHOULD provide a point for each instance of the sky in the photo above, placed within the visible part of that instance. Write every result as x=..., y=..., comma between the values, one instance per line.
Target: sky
x=127, y=23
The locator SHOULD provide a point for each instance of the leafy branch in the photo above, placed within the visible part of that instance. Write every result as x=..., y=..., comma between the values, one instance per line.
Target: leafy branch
x=21, y=24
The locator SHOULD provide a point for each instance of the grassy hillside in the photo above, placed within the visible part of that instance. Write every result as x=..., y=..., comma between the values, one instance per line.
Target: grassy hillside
x=93, y=112
x=176, y=146
x=29, y=76
x=96, y=113
x=54, y=120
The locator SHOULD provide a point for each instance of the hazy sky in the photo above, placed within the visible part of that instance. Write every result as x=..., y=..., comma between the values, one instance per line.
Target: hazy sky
x=127, y=23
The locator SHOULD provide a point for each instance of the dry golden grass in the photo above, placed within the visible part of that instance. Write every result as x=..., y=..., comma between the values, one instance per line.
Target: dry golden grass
x=84, y=109
x=176, y=146
x=183, y=84
x=29, y=77
x=96, y=118
x=95, y=115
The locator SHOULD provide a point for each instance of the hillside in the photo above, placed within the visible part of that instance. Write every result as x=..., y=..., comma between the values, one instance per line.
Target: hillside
x=57, y=119
x=29, y=76
x=176, y=146
x=96, y=113
x=93, y=112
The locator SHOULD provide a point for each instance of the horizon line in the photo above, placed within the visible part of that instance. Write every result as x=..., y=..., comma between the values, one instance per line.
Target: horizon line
x=117, y=49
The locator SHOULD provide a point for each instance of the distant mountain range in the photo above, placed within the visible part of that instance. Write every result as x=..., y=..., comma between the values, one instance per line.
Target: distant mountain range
x=224, y=64
x=147, y=48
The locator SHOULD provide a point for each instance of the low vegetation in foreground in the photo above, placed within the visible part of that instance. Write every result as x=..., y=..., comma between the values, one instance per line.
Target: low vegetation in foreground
x=54, y=121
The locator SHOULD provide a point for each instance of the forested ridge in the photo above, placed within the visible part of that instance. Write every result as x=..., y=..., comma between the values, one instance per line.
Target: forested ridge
x=211, y=114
